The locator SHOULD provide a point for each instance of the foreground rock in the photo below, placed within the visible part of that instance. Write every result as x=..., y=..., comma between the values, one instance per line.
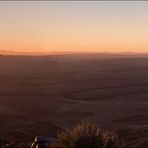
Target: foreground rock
x=42, y=142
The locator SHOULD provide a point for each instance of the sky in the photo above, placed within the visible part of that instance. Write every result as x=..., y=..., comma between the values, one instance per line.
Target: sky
x=74, y=26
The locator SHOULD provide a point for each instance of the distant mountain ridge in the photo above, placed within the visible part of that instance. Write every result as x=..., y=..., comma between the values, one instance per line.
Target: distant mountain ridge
x=9, y=52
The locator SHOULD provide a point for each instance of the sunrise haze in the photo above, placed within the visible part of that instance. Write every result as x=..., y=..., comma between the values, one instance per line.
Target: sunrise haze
x=74, y=26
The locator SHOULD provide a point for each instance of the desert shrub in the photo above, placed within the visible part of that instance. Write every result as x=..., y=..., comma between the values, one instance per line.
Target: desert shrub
x=85, y=135
x=110, y=140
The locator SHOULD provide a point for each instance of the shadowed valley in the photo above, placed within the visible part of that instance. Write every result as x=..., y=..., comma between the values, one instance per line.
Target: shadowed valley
x=41, y=94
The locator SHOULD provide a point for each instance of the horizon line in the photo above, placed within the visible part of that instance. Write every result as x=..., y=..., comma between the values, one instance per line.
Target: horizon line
x=23, y=53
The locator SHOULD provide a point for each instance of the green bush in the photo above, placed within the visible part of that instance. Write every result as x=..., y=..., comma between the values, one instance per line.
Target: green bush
x=85, y=135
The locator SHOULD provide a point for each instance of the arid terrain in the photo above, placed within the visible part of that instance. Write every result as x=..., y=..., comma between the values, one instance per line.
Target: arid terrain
x=42, y=94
